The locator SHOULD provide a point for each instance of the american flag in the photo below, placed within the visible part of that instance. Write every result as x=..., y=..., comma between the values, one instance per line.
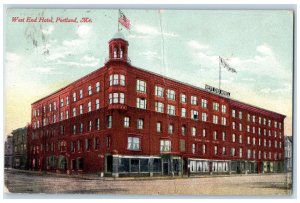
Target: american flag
x=124, y=21
x=226, y=65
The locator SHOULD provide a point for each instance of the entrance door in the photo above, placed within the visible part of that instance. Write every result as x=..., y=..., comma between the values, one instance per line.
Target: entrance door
x=165, y=168
x=109, y=163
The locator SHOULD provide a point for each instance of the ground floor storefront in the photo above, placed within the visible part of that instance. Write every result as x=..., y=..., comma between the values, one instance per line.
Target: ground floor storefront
x=117, y=165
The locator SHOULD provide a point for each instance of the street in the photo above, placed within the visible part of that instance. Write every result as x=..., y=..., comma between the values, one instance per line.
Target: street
x=251, y=184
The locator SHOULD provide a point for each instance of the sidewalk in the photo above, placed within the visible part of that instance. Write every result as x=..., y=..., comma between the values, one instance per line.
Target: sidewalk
x=97, y=177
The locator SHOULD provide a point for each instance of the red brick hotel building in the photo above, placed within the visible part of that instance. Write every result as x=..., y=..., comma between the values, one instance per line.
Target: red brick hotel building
x=122, y=120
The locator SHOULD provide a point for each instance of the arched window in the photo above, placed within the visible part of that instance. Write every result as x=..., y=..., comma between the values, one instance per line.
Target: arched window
x=115, y=52
x=121, y=52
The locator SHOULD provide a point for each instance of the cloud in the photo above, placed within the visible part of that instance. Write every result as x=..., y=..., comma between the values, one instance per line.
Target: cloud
x=83, y=31
x=149, y=31
x=43, y=69
x=89, y=59
x=150, y=55
x=264, y=49
x=197, y=45
x=72, y=43
x=78, y=64
x=48, y=30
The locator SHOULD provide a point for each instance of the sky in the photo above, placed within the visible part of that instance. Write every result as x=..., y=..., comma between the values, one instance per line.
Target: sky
x=182, y=44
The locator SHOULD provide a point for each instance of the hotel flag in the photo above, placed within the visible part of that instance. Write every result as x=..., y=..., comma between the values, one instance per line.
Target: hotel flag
x=123, y=20
x=224, y=64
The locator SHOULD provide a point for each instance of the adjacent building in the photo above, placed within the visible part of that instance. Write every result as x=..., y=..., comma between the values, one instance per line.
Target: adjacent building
x=19, y=138
x=8, y=152
x=123, y=120
x=288, y=149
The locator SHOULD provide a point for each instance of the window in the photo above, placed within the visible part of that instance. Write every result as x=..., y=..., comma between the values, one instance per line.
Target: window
x=215, y=106
x=223, y=150
x=61, y=102
x=240, y=127
x=233, y=137
x=67, y=114
x=61, y=116
x=203, y=103
x=133, y=143
x=90, y=90
x=115, y=98
x=80, y=110
x=232, y=151
x=215, y=150
x=80, y=94
x=81, y=127
x=248, y=117
x=253, y=130
x=203, y=149
x=223, y=108
x=183, y=112
x=171, y=94
x=140, y=123
x=74, y=96
x=158, y=127
x=89, y=107
x=74, y=112
x=165, y=146
x=74, y=129
x=249, y=154
x=253, y=119
x=194, y=114
x=90, y=125
x=122, y=80
x=241, y=152
x=279, y=125
x=115, y=79
x=109, y=121
x=204, y=132
x=253, y=140
x=171, y=110
x=126, y=122
x=248, y=128
x=54, y=106
x=240, y=139
x=159, y=107
x=97, y=86
x=183, y=98
x=97, y=104
x=193, y=100
x=223, y=121
x=259, y=142
x=215, y=135
x=194, y=131
x=269, y=123
x=275, y=124
x=193, y=148
x=159, y=91
x=171, y=128
x=183, y=130
x=259, y=131
x=248, y=140
x=233, y=113
x=204, y=117
x=141, y=103
x=215, y=119
x=67, y=101
x=141, y=86
x=87, y=144
x=54, y=118
x=223, y=136
x=240, y=115
x=98, y=123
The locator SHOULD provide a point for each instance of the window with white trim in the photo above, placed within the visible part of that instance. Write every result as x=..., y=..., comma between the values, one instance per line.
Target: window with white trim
x=240, y=139
x=203, y=103
x=159, y=107
x=159, y=91
x=253, y=118
x=89, y=106
x=140, y=86
x=193, y=148
x=97, y=104
x=141, y=103
x=233, y=125
x=183, y=112
x=204, y=116
x=215, y=135
x=233, y=113
x=67, y=114
x=61, y=102
x=171, y=110
x=241, y=152
x=224, y=108
x=193, y=131
x=158, y=127
x=194, y=100
x=98, y=87
x=183, y=130
x=126, y=122
x=223, y=120
x=80, y=109
x=80, y=94
x=223, y=136
x=240, y=115
x=140, y=123
x=215, y=119
x=194, y=114
x=240, y=127
x=171, y=128
x=183, y=98
x=233, y=137
x=165, y=146
x=215, y=150
x=90, y=90
x=74, y=96
x=171, y=94
x=233, y=151
x=204, y=132
x=109, y=121
x=74, y=112
x=133, y=143
x=215, y=106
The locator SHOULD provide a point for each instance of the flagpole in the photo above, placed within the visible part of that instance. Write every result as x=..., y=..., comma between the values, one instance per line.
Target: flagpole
x=219, y=73
x=118, y=20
